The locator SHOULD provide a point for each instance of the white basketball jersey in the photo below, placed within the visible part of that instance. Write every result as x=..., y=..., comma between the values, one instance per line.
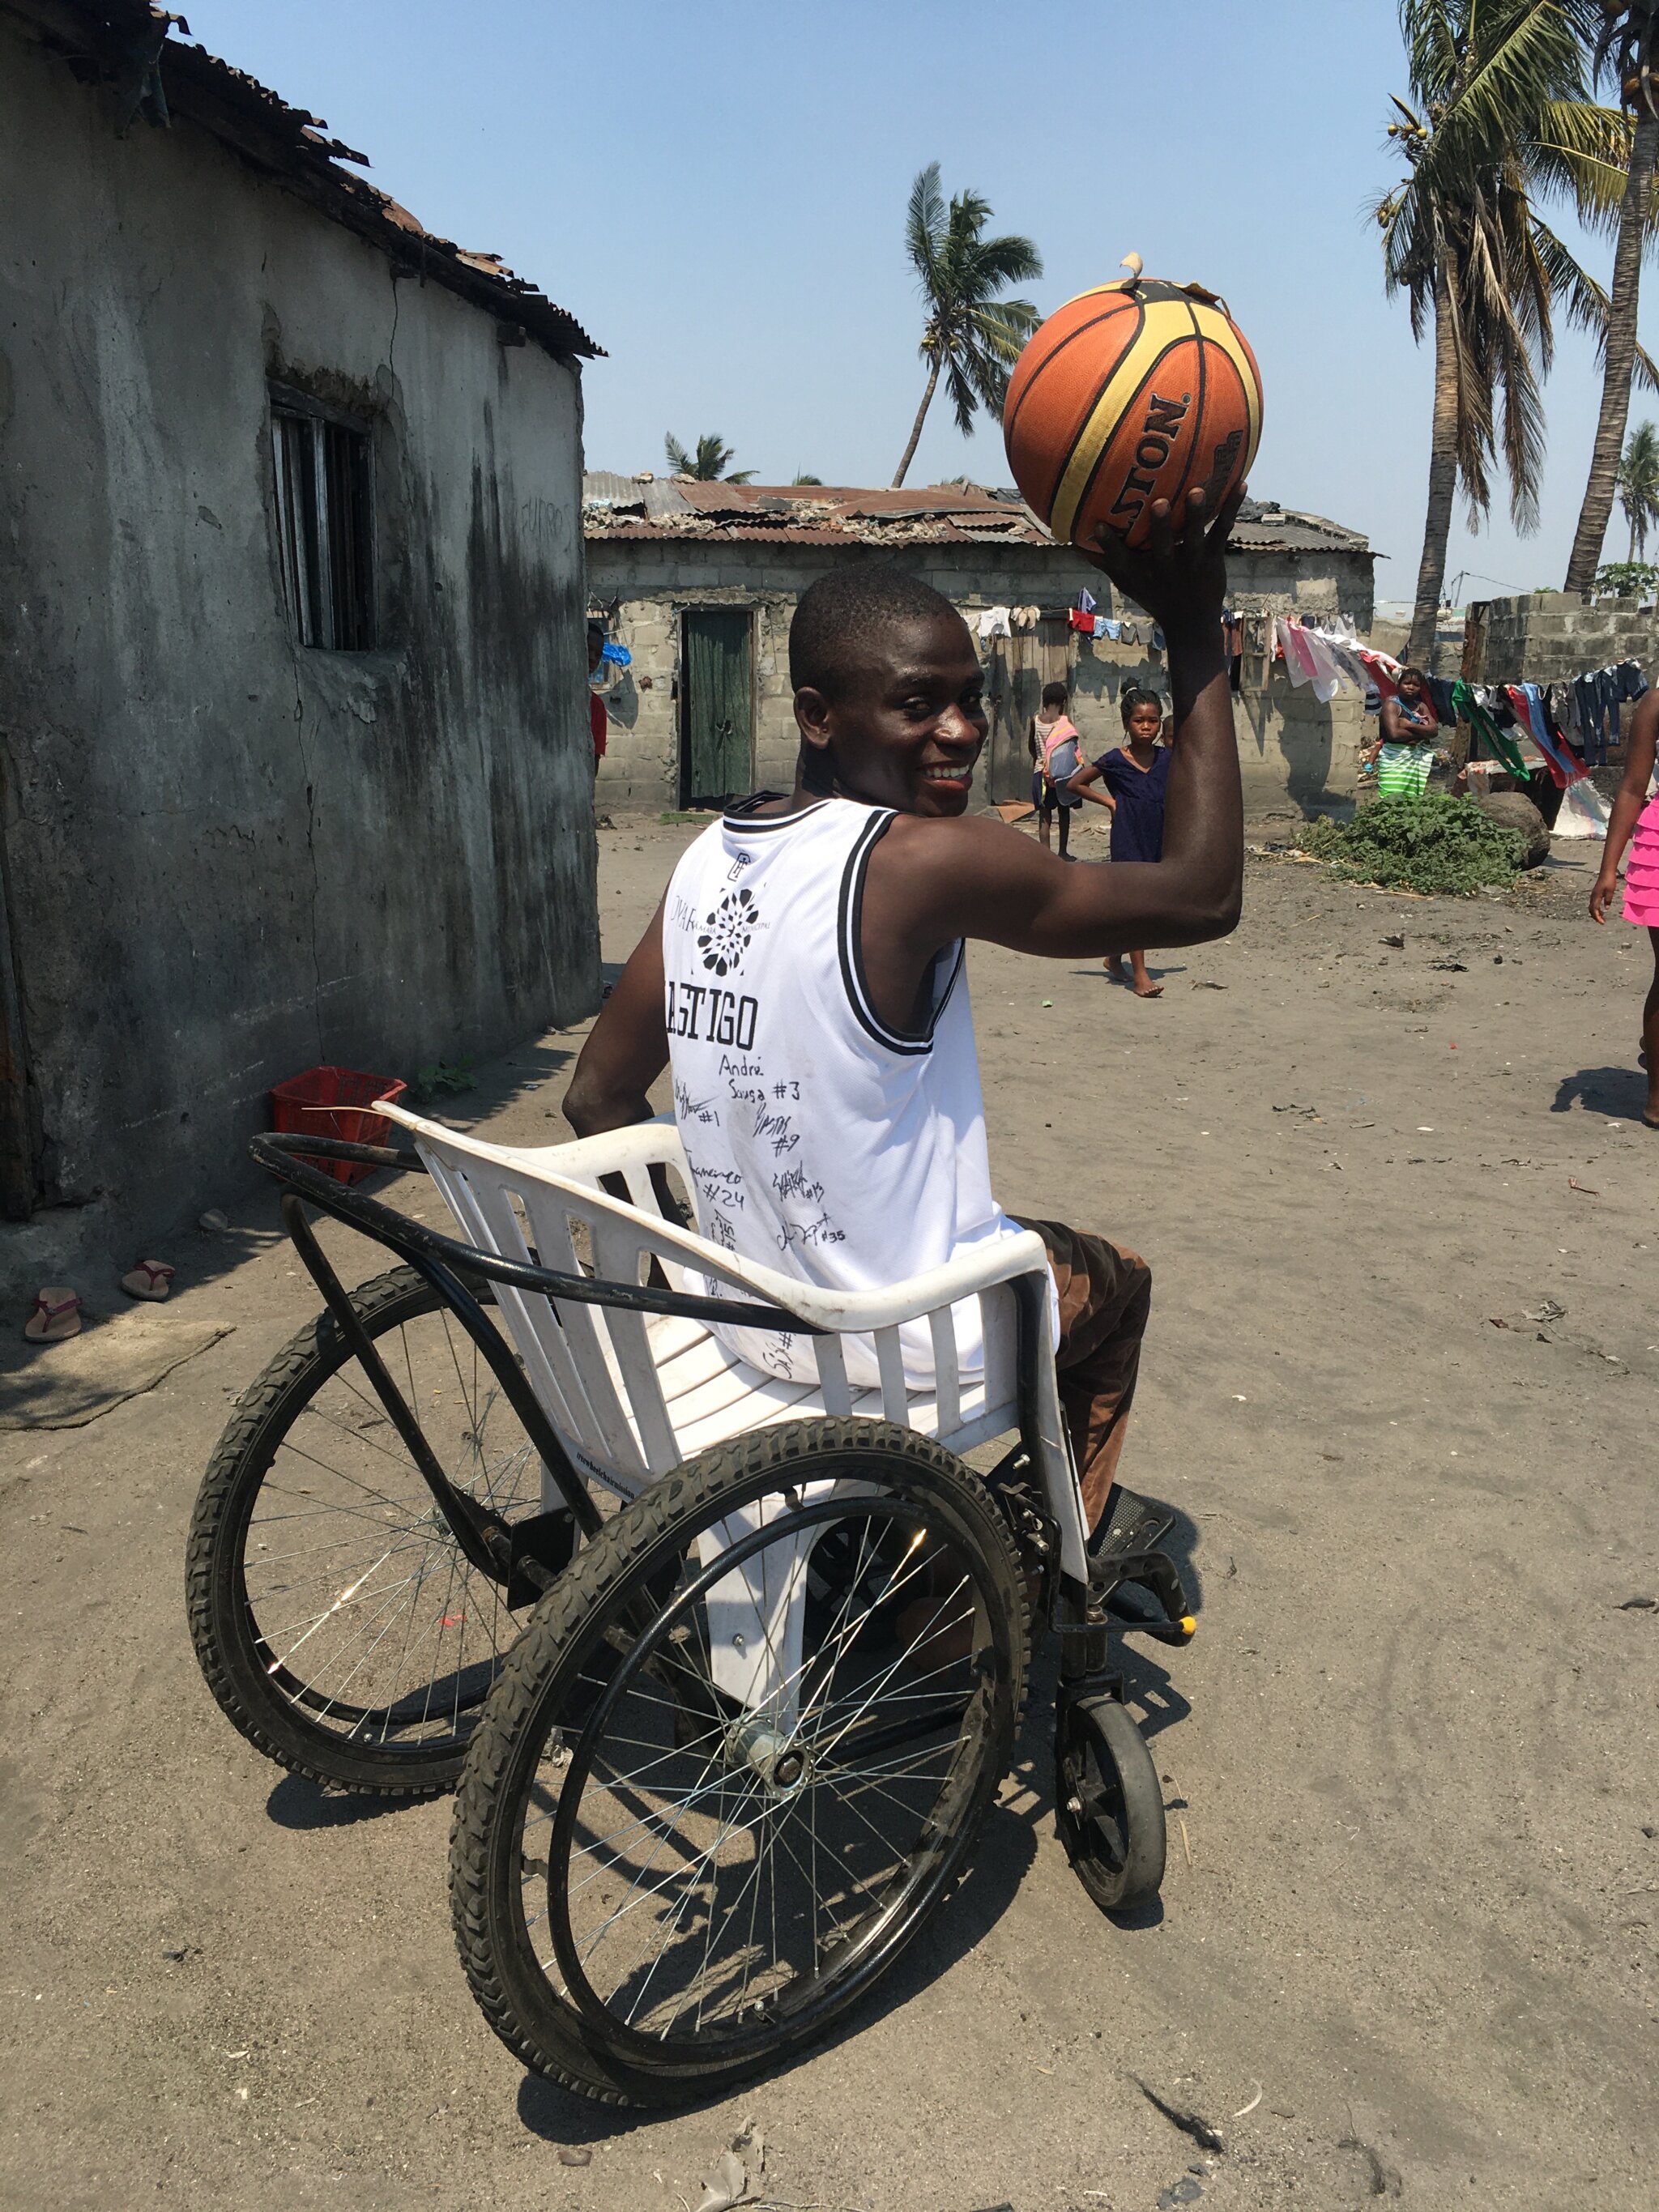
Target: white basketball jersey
x=820, y=1142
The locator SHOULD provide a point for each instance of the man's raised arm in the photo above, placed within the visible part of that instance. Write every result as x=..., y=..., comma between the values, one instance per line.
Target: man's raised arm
x=972, y=878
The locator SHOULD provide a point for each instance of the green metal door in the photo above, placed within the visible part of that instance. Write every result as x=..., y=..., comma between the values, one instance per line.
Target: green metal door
x=717, y=751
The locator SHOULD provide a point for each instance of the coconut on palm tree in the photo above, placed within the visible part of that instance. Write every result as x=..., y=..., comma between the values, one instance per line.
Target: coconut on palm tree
x=1625, y=48
x=708, y=464
x=972, y=336
x=1501, y=120
x=1638, y=483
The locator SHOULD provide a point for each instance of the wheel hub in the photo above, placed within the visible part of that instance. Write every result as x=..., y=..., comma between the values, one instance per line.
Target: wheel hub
x=782, y=1762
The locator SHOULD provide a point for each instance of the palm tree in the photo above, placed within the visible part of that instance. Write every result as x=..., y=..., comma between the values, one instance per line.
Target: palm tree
x=803, y=478
x=1638, y=486
x=708, y=465
x=1502, y=114
x=1627, y=48
x=972, y=336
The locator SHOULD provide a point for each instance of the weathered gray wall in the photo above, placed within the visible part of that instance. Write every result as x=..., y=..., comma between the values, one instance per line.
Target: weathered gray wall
x=1295, y=754
x=227, y=857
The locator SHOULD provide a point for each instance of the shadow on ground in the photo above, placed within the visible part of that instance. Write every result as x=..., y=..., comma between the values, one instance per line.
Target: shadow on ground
x=1617, y=1093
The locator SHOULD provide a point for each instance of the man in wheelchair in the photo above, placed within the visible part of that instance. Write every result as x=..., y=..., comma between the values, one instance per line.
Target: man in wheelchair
x=803, y=976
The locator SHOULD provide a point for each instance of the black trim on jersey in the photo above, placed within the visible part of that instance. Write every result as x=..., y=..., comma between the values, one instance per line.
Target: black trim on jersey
x=738, y=817
x=849, y=945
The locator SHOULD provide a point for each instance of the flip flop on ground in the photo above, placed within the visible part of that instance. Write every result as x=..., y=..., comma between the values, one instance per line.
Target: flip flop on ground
x=55, y=1315
x=149, y=1279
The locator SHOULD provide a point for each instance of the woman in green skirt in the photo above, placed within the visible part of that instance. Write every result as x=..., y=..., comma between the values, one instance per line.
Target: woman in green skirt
x=1405, y=752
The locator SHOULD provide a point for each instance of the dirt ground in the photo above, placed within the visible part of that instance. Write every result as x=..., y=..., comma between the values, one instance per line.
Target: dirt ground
x=1407, y=1939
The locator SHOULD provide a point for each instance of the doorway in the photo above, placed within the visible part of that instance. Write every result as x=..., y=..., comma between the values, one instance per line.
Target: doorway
x=717, y=707
x=1018, y=668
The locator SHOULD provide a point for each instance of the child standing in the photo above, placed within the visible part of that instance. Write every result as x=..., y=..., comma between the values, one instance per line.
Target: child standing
x=1055, y=747
x=1136, y=775
x=1635, y=822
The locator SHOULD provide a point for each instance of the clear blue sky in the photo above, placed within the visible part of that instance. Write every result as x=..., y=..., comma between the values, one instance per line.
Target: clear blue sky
x=717, y=192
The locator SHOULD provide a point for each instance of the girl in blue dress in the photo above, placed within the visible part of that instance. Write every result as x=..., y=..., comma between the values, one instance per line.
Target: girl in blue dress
x=1136, y=775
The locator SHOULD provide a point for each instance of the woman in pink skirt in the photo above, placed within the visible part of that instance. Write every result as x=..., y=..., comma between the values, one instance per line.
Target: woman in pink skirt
x=1635, y=822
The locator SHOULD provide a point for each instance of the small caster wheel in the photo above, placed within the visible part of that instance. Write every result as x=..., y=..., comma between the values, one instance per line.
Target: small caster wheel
x=1108, y=1806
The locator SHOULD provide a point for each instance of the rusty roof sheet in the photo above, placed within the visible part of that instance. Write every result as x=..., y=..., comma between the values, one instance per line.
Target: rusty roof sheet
x=941, y=514
x=126, y=45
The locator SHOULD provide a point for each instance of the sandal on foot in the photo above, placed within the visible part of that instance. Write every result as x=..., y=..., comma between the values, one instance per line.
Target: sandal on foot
x=151, y=1278
x=55, y=1315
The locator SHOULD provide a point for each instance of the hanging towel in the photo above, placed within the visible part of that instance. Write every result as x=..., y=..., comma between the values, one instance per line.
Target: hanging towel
x=993, y=622
x=1085, y=601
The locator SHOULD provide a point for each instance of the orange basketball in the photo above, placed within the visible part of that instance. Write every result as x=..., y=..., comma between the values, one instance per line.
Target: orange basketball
x=1132, y=393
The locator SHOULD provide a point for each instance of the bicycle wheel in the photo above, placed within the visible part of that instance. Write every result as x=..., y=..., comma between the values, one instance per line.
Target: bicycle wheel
x=682, y=1847
x=337, y=1620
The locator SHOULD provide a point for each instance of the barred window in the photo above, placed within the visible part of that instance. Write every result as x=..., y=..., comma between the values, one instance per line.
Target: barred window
x=324, y=523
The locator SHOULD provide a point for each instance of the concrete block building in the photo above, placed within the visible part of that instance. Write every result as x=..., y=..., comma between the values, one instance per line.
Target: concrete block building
x=699, y=582
x=294, y=746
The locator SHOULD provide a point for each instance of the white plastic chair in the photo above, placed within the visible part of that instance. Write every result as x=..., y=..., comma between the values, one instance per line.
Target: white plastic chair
x=632, y=1395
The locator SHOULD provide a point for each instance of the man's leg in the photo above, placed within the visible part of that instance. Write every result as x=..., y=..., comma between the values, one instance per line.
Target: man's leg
x=1105, y=1296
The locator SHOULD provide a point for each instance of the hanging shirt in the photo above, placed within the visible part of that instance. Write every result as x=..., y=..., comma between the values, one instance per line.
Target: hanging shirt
x=820, y=1140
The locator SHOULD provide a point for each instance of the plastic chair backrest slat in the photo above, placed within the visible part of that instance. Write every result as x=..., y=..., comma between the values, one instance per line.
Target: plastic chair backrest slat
x=999, y=1327
x=617, y=1255
x=495, y=1228
x=837, y=1391
x=609, y=1433
x=890, y=1364
x=947, y=1383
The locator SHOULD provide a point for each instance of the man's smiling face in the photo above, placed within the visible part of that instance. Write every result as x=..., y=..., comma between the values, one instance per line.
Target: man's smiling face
x=908, y=726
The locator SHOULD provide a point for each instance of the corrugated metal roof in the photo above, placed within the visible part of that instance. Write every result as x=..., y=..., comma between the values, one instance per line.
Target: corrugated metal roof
x=807, y=514
x=126, y=45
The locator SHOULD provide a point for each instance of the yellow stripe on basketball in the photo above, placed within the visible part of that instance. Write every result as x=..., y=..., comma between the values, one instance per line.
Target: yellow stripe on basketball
x=1165, y=323
x=1215, y=326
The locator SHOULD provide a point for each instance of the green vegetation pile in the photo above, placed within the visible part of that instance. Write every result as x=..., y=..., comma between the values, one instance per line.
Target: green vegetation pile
x=1440, y=847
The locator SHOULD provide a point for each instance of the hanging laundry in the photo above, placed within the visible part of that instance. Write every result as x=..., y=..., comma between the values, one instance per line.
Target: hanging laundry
x=1158, y=639
x=1099, y=625
x=1383, y=669
x=1327, y=677
x=1527, y=703
x=993, y=622
x=1076, y=619
x=618, y=655
x=1112, y=629
x=1592, y=717
x=1085, y=601
x=1632, y=684
x=1468, y=708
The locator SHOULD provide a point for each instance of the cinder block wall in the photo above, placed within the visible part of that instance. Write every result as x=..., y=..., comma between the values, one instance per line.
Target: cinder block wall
x=1546, y=637
x=1297, y=756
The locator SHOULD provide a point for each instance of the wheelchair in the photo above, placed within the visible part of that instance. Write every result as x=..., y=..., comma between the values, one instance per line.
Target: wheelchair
x=725, y=1669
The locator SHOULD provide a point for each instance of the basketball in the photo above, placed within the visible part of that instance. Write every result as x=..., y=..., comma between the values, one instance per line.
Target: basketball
x=1132, y=393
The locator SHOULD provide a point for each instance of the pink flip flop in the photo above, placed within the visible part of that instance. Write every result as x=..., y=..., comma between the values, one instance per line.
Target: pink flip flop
x=151, y=1278
x=55, y=1315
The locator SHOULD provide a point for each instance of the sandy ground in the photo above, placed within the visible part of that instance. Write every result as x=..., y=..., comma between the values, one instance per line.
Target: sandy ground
x=1407, y=1931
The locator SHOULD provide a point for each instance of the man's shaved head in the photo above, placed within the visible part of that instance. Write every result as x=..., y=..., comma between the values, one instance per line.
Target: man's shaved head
x=838, y=619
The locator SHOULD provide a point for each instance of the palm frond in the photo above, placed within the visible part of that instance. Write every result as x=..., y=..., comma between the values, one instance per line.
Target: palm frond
x=924, y=227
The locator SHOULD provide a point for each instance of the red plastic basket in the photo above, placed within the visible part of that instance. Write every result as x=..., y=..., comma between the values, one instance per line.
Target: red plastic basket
x=294, y=1111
